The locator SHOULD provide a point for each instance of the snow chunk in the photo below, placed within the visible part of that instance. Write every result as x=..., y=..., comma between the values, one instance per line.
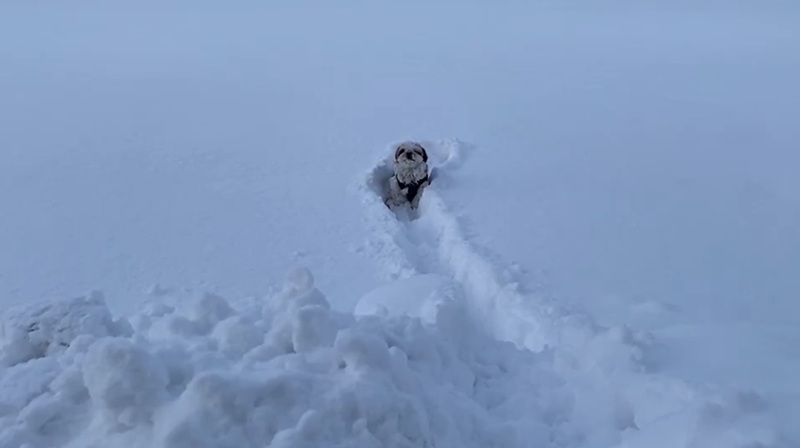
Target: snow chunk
x=238, y=335
x=299, y=291
x=125, y=382
x=421, y=296
x=210, y=310
x=35, y=331
x=313, y=327
x=359, y=349
x=21, y=385
x=300, y=279
x=227, y=410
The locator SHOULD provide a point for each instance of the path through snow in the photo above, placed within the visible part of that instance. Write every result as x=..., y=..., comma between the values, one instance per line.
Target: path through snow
x=613, y=390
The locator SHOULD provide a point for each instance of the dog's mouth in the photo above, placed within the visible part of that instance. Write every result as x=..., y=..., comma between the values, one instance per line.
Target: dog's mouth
x=409, y=160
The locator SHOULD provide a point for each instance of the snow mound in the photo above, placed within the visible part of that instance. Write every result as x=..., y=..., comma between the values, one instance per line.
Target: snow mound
x=408, y=369
x=286, y=371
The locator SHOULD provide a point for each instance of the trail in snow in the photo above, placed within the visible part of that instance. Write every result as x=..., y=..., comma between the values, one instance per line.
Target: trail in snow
x=435, y=244
x=606, y=369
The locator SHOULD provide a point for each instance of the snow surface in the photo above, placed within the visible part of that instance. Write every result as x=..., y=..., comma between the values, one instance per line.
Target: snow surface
x=194, y=251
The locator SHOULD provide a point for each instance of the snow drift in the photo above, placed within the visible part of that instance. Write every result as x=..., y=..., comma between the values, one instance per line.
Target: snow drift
x=284, y=371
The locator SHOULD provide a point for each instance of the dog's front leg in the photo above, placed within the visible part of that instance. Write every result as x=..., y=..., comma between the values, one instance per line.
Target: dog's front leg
x=415, y=200
x=395, y=194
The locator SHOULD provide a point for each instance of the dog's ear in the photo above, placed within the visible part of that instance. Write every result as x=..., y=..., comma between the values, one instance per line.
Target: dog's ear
x=424, y=153
x=397, y=152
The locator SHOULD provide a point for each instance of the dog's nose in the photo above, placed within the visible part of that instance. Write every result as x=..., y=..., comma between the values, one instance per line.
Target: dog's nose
x=409, y=156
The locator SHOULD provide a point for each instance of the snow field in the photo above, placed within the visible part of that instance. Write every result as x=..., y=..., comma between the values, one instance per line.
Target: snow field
x=644, y=153
x=452, y=351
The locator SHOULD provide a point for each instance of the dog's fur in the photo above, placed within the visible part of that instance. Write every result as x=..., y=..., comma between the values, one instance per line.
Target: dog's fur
x=411, y=175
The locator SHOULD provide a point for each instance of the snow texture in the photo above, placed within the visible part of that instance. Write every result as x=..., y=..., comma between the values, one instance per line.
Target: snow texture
x=288, y=371
x=450, y=352
x=36, y=331
x=606, y=257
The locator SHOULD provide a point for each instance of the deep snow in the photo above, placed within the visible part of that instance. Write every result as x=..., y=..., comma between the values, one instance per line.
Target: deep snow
x=617, y=199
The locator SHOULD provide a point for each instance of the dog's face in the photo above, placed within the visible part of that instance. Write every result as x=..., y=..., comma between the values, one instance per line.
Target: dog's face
x=410, y=155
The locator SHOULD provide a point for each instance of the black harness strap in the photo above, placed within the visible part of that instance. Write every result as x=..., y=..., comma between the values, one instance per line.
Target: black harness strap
x=413, y=187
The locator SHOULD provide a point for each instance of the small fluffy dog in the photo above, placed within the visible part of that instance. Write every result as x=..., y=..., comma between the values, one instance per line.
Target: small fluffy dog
x=410, y=177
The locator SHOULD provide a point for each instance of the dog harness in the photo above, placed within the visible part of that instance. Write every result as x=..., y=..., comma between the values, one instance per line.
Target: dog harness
x=411, y=188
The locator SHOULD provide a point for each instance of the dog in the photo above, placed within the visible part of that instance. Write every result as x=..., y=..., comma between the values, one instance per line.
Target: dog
x=411, y=175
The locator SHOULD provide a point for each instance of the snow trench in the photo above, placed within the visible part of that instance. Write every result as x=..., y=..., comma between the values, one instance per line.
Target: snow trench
x=612, y=385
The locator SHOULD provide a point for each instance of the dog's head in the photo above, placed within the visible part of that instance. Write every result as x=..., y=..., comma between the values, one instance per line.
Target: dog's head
x=410, y=154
